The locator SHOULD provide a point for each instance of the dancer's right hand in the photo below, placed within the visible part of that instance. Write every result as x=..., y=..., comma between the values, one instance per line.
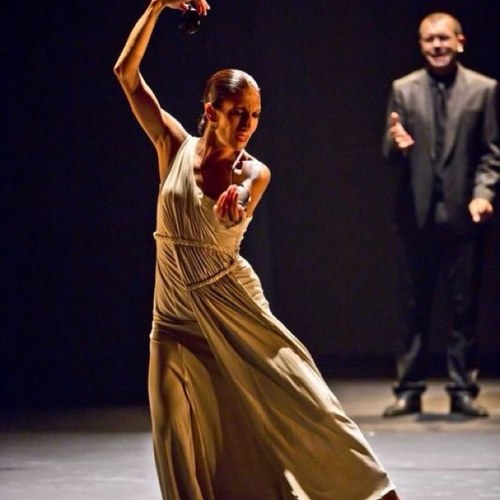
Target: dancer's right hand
x=202, y=6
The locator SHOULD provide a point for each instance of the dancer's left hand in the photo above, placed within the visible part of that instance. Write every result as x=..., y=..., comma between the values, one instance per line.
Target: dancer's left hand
x=227, y=209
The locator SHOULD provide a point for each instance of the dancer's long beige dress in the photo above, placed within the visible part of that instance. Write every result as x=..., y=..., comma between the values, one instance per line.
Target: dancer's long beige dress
x=239, y=409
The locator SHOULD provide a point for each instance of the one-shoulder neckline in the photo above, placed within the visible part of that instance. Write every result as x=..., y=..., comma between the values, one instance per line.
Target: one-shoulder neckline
x=201, y=194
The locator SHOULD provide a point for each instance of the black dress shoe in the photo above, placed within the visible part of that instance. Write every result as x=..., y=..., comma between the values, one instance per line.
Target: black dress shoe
x=405, y=404
x=464, y=404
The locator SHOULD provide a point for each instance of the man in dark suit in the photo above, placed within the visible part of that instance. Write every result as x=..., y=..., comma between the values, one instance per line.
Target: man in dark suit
x=442, y=132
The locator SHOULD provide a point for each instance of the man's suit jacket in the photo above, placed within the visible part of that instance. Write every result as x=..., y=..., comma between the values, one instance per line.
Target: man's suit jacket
x=470, y=163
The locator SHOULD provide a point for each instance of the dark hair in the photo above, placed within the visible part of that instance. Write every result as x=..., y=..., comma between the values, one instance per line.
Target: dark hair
x=221, y=86
x=436, y=16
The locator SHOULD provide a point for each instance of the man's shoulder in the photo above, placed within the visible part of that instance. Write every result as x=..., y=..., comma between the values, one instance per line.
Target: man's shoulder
x=475, y=77
x=416, y=76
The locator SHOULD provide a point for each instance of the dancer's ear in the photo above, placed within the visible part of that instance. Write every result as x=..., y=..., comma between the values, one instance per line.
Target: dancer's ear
x=210, y=112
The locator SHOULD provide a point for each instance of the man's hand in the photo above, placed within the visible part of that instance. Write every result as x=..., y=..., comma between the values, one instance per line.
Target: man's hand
x=481, y=210
x=402, y=139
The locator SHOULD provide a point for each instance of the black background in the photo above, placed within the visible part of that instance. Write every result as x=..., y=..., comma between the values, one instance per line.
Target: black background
x=79, y=182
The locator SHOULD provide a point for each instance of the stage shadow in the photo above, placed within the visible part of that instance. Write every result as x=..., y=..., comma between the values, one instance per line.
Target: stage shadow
x=101, y=420
x=443, y=417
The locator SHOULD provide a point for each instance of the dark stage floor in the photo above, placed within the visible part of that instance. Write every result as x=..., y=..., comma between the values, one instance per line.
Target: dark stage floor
x=105, y=454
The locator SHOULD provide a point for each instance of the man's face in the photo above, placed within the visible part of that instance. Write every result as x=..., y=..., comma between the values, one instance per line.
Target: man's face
x=440, y=44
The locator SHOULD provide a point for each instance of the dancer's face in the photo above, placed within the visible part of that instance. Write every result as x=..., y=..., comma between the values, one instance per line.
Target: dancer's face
x=237, y=118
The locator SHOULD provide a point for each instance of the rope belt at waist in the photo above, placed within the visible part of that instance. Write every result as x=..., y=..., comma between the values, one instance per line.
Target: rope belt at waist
x=201, y=244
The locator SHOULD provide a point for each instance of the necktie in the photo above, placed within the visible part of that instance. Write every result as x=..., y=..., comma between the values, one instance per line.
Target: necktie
x=440, y=113
x=440, y=215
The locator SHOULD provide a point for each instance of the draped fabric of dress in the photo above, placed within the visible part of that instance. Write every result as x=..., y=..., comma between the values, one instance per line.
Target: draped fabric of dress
x=239, y=409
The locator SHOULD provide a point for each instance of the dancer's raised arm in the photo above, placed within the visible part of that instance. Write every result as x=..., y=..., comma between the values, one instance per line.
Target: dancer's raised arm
x=161, y=127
